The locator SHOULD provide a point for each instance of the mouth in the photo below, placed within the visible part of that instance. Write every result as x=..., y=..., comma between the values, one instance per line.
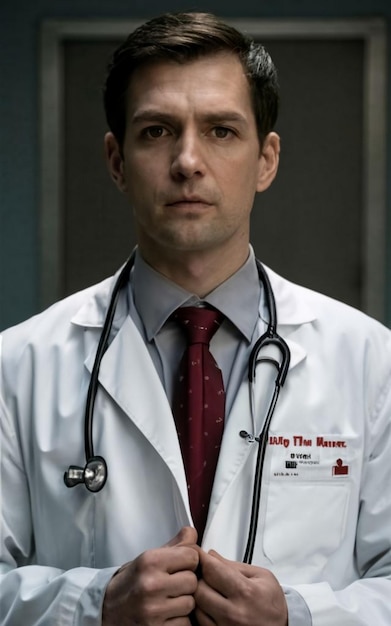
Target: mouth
x=193, y=202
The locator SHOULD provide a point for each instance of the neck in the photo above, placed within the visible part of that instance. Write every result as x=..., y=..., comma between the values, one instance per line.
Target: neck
x=197, y=272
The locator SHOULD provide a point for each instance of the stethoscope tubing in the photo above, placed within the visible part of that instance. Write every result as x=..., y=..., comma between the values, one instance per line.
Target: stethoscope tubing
x=256, y=499
x=270, y=337
x=101, y=349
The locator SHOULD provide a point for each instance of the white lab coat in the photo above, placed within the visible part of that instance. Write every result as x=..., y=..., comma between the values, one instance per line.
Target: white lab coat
x=325, y=516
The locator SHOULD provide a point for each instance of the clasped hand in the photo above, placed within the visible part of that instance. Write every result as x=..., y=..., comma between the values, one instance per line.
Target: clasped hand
x=161, y=587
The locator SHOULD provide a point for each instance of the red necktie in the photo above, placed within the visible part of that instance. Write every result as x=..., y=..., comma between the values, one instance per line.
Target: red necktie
x=199, y=408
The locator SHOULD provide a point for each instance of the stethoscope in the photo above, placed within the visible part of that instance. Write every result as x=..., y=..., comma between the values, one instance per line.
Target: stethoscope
x=94, y=473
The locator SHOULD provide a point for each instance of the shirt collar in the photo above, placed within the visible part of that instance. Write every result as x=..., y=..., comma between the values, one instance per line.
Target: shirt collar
x=156, y=297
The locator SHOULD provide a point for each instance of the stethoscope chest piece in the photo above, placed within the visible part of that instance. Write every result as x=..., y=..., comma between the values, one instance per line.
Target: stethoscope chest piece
x=94, y=474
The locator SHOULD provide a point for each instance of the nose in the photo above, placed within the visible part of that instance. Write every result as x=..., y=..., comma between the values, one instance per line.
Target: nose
x=188, y=157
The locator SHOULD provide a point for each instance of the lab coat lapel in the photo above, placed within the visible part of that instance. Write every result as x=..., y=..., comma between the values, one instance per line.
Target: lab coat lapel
x=130, y=378
x=292, y=313
x=234, y=450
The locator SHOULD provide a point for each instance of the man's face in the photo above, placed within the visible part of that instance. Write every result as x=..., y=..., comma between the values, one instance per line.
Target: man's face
x=191, y=160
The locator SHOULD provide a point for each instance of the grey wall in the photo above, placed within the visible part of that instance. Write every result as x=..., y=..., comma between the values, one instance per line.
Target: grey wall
x=19, y=156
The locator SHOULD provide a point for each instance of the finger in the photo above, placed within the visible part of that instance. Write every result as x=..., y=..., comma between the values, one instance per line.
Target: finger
x=186, y=536
x=181, y=584
x=180, y=607
x=220, y=574
x=247, y=570
x=159, y=600
x=226, y=593
x=165, y=561
x=161, y=612
x=178, y=621
x=219, y=556
x=181, y=558
x=209, y=601
x=203, y=619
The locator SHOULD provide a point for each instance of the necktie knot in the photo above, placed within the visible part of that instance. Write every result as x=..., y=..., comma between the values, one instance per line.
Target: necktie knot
x=200, y=324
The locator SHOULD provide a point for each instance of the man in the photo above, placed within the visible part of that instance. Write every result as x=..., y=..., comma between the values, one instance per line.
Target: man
x=191, y=105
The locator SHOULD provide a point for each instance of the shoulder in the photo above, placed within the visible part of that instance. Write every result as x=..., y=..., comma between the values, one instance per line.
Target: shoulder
x=59, y=323
x=340, y=343
x=297, y=304
x=336, y=332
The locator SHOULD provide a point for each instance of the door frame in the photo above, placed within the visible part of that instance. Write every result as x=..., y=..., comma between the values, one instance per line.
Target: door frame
x=54, y=33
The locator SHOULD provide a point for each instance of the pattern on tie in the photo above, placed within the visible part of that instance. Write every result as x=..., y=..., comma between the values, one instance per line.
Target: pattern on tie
x=199, y=407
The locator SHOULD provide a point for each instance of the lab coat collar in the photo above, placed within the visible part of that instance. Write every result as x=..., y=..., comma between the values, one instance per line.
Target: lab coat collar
x=292, y=309
x=92, y=314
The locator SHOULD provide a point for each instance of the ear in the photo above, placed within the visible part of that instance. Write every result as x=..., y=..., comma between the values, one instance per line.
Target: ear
x=268, y=161
x=115, y=161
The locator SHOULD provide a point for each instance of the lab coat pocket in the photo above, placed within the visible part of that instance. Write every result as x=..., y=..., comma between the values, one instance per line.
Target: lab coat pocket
x=304, y=522
x=306, y=498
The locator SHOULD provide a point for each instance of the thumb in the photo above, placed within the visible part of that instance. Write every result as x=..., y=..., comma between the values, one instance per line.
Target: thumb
x=187, y=536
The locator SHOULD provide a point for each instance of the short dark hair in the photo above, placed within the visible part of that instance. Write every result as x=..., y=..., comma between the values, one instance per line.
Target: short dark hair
x=184, y=37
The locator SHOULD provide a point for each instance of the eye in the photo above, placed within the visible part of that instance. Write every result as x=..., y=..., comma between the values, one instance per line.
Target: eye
x=221, y=132
x=154, y=132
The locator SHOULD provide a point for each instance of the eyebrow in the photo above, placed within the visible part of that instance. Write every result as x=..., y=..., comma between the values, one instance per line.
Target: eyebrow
x=215, y=117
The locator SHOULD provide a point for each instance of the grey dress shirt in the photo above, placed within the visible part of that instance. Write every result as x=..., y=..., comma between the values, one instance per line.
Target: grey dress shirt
x=238, y=298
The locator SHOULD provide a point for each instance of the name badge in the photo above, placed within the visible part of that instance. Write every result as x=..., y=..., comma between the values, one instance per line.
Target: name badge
x=311, y=457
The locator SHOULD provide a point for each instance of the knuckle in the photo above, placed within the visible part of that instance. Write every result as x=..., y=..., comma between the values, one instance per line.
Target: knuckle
x=247, y=592
x=194, y=559
x=146, y=561
x=149, y=584
x=236, y=614
x=191, y=582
